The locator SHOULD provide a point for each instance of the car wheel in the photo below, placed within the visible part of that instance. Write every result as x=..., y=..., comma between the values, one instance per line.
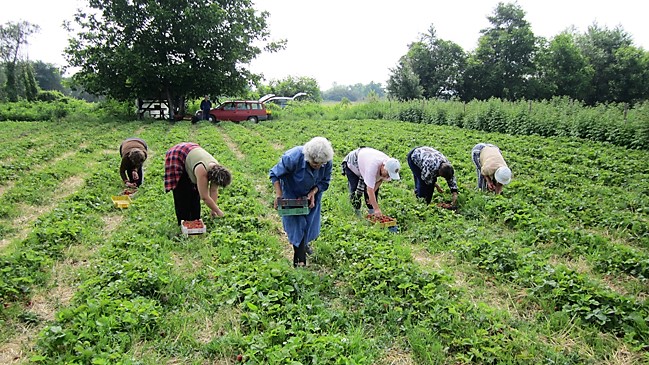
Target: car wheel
x=253, y=119
x=212, y=118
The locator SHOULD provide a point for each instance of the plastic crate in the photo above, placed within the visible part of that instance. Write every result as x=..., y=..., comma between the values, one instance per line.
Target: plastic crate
x=293, y=203
x=121, y=201
x=383, y=221
x=197, y=227
x=292, y=211
x=299, y=206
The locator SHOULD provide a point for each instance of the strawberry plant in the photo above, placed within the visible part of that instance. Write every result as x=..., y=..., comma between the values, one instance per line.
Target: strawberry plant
x=561, y=254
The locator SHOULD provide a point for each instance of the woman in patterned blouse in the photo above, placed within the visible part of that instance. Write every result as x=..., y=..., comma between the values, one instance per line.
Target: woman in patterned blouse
x=427, y=164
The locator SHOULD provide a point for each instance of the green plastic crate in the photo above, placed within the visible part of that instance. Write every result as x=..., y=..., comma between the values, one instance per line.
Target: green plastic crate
x=292, y=211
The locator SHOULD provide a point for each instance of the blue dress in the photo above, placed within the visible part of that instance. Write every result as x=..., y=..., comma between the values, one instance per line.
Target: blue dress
x=297, y=178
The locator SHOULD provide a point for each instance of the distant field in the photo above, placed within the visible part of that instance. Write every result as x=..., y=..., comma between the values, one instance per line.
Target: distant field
x=553, y=271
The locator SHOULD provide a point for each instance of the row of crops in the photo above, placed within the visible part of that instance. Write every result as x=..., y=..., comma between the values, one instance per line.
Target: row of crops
x=553, y=271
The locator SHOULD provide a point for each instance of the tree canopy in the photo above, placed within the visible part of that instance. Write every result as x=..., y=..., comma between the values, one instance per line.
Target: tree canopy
x=169, y=49
x=19, y=81
x=354, y=92
x=511, y=63
x=502, y=63
x=291, y=85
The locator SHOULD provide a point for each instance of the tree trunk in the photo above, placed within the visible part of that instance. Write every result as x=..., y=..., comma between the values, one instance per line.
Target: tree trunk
x=181, y=108
x=11, y=85
x=170, y=103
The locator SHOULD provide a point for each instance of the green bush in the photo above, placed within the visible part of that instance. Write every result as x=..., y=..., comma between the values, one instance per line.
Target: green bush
x=43, y=110
x=50, y=95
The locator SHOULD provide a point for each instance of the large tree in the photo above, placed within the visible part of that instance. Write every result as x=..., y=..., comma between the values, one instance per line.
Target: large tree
x=48, y=76
x=439, y=65
x=563, y=70
x=503, y=62
x=13, y=37
x=618, y=66
x=169, y=49
x=631, y=68
x=29, y=81
x=404, y=83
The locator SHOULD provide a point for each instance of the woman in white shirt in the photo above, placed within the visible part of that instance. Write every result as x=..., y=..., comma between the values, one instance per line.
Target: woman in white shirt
x=366, y=168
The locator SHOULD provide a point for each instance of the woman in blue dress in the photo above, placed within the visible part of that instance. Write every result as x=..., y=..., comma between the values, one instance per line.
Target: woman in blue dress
x=303, y=171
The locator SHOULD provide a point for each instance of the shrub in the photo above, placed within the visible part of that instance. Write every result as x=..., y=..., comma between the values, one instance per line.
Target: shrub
x=51, y=95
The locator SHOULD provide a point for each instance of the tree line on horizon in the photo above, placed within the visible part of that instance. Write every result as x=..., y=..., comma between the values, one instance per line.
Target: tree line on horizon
x=600, y=65
x=176, y=52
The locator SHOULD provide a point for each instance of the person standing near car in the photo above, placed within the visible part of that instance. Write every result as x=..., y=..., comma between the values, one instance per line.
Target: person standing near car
x=194, y=175
x=491, y=167
x=133, y=152
x=206, y=106
x=303, y=171
x=427, y=164
x=366, y=168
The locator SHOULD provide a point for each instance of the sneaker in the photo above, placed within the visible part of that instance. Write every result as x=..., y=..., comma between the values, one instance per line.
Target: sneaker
x=370, y=211
x=357, y=212
x=309, y=250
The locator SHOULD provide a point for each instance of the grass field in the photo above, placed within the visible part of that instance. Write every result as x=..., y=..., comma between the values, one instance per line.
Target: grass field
x=554, y=271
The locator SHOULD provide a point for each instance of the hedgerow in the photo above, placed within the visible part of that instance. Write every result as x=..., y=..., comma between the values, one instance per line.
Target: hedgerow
x=613, y=123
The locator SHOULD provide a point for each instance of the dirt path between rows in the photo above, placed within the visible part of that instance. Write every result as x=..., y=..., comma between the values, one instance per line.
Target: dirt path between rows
x=60, y=288
x=29, y=213
x=258, y=183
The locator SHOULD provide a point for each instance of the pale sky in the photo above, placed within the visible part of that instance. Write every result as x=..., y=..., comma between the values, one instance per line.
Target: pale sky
x=358, y=41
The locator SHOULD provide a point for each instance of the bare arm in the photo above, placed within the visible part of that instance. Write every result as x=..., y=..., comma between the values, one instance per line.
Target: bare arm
x=311, y=196
x=214, y=194
x=454, y=199
x=372, y=201
x=122, y=169
x=278, y=192
x=490, y=183
x=205, y=191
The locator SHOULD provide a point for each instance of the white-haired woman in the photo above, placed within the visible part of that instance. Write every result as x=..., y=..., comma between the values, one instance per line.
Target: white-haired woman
x=491, y=167
x=303, y=171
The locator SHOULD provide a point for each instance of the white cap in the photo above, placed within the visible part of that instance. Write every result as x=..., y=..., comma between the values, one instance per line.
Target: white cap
x=393, y=166
x=503, y=175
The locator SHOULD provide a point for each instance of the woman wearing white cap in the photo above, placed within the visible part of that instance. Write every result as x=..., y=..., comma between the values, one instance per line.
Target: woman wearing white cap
x=427, y=164
x=491, y=167
x=366, y=168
